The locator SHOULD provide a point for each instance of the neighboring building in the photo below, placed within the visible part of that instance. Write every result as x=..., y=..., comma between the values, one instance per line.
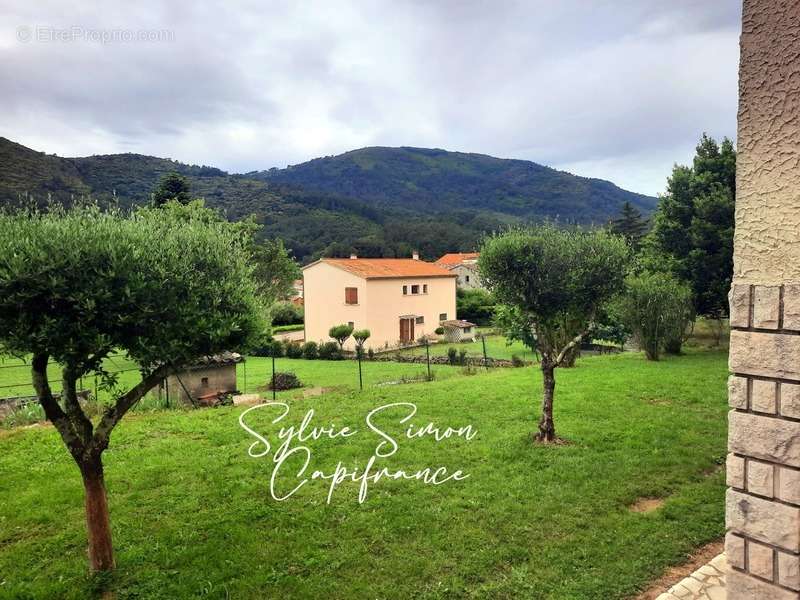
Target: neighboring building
x=204, y=380
x=459, y=331
x=398, y=299
x=297, y=292
x=464, y=265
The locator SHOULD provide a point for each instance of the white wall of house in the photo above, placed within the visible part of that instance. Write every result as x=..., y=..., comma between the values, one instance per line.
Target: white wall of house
x=386, y=304
x=381, y=304
x=324, y=296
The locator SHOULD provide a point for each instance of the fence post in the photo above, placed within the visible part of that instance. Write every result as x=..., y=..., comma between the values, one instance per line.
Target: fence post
x=428, y=357
x=485, y=360
x=273, y=375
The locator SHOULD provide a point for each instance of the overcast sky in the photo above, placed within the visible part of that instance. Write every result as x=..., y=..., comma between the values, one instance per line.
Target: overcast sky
x=613, y=89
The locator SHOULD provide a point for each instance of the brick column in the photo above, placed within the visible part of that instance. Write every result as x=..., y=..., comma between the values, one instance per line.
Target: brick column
x=763, y=467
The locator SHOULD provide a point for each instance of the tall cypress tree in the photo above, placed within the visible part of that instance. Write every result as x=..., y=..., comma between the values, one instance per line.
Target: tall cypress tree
x=630, y=225
x=693, y=226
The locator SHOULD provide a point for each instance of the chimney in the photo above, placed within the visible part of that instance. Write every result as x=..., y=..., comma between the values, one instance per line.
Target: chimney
x=353, y=256
x=415, y=255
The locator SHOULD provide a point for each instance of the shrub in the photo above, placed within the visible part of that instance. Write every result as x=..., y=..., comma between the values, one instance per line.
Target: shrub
x=269, y=348
x=340, y=333
x=475, y=305
x=516, y=361
x=439, y=331
x=370, y=353
x=286, y=313
x=657, y=308
x=310, y=350
x=462, y=357
x=329, y=351
x=293, y=350
x=452, y=356
x=284, y=381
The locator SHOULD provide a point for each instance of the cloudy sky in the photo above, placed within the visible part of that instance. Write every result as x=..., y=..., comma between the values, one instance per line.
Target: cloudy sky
x=614, y=89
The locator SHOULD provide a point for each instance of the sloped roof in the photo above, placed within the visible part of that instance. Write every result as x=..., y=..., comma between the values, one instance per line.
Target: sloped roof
x=456, y=258
x=460, y=323
x=386, y=268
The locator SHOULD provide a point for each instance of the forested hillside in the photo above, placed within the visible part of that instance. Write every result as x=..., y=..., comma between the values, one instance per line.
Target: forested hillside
x=374, y=201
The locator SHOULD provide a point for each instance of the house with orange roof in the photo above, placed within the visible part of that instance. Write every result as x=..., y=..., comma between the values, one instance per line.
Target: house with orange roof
x=398, y=299
x=464, y=265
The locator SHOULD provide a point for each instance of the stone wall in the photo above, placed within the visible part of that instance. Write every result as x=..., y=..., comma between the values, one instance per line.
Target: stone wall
x=763, y=466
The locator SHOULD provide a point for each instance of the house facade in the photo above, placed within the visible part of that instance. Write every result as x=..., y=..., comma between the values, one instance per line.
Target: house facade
x=464, y=265
x=399, y=300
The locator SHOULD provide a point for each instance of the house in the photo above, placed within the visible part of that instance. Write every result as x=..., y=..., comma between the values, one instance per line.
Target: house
x=465, y=266
x=457, y=330
x=296, y=296
x=398, y=299
x=203, y=381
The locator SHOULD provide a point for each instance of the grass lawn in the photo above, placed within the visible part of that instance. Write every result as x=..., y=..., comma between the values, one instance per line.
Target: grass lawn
x=192, y=514
x=496, y=347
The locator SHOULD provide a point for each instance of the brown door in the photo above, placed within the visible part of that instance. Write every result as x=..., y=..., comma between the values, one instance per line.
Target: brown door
x=406, y=330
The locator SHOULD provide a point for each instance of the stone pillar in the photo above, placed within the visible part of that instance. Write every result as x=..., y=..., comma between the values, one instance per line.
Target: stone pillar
x=763, y=467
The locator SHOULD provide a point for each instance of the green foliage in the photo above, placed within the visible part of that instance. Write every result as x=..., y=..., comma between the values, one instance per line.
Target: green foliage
x=329, y=351
x=293, y=349
x=475, y=305
x=452, y=355
x=286, y=313
x=159, y=285
x=657, y=308
x=171, y=186
x=439, y=331
x=375, y=201
x=341, y=333
x=310, y=350
x=370, y=353
x=692, y=235
x=630, y=225
x=276, y=271
x=554, y=281
x=269, y=348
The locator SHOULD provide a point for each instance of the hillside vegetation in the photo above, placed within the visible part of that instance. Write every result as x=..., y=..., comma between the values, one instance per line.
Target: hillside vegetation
x=374, y=201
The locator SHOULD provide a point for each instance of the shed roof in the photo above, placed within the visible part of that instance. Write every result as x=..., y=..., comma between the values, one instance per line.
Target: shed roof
x=386, y=268
x=459, y=323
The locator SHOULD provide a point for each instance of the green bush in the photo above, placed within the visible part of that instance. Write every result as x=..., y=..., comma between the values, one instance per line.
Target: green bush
x=341, y=333
x=462, y=357
x=516, y=361
x=329, y=351
x=370, y=353
x=657, y=308
x=293, y=349
x=452, y=356
x=475, y=305
x=269, y=348
x=310, y=350
x=286, y=313
x=439, y=331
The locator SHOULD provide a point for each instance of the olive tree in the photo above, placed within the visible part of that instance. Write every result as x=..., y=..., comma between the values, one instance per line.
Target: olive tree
x=158, y=285
x=341, y=333
x=556, y=282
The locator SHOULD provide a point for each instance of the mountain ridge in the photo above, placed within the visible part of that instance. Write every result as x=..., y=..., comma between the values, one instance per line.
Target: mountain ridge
x=377, y=201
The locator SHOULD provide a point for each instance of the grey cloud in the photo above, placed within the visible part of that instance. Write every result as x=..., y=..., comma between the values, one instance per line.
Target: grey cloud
x=609, y=89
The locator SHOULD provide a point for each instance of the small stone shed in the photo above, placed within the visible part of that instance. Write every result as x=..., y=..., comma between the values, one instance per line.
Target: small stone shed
x=458, y=330
x=204, y=380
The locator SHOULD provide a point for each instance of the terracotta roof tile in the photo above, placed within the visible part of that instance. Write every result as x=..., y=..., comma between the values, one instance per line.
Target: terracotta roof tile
x=456, y=258
x=388, y=268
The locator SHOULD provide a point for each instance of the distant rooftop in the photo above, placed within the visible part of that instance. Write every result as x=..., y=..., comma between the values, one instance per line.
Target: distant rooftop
x=386, y=268
x=456, y=258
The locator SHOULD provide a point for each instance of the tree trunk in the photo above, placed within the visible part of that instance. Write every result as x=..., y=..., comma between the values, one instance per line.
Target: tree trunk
x=547, y=430
x=98, y=525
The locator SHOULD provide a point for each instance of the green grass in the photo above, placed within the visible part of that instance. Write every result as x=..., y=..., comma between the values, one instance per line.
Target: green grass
x=496, y=347
x=192, y=515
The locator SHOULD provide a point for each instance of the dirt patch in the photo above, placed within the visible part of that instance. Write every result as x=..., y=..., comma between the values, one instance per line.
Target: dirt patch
x=316, y=391
x=659, y=401
x=646, y=505
x=673, y=575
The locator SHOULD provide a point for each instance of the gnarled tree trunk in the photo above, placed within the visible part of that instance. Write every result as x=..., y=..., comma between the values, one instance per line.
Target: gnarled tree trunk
x=98, y=524
x=547, y=430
